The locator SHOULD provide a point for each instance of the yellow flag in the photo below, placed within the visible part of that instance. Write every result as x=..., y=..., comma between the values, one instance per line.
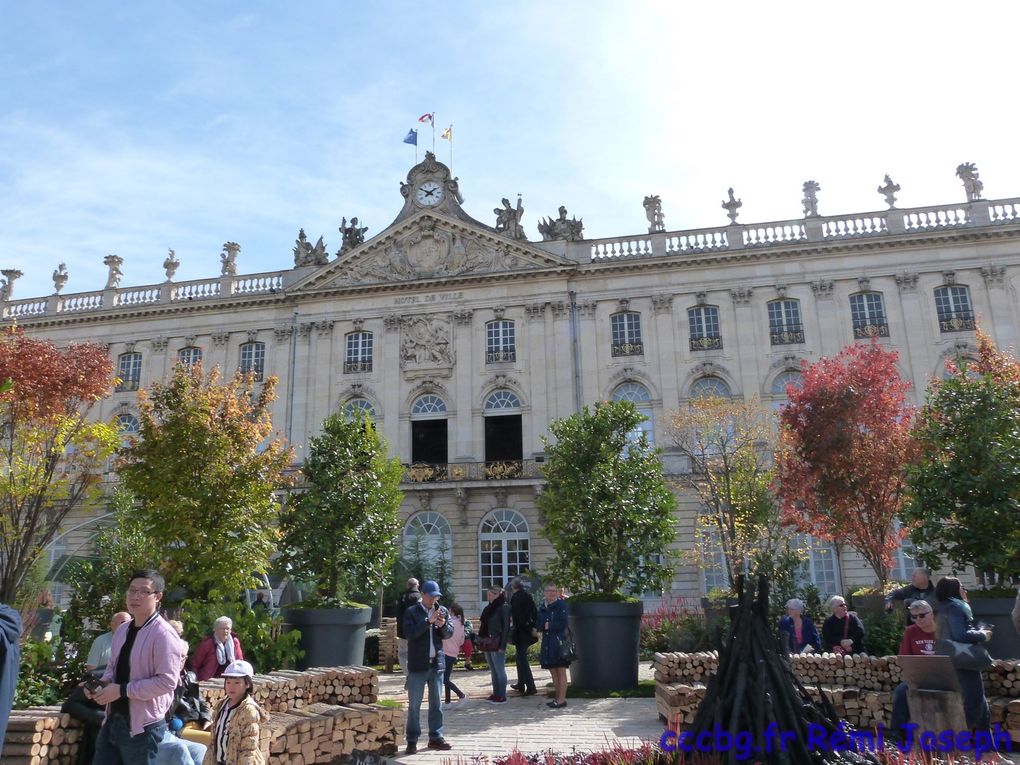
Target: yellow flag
x=448, y=133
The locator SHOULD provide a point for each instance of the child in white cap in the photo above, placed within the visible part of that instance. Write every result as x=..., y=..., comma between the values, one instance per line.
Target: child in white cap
x=237, y=720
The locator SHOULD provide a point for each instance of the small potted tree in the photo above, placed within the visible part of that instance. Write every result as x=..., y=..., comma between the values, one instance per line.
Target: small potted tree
x=340, y=531
x=965, y=490
x=609, y=516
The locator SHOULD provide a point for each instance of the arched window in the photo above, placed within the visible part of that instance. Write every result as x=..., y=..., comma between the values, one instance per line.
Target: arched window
x=504, y=440
x=128, y=426
x=189, y=356
x=784, y=379
x=253, y=359
x=785, y=326
x=129, y=370
x=429, y=438
x=708, y=387
x=503, y=548
x=355, y=405
x=502, y=401
x=642, y=399
x=428, y=405
x=427, y=545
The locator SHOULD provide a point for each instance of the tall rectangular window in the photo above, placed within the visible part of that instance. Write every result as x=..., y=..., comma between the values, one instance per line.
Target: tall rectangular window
x=820, y=565
x=703, y=323
x=785, y=327
x=359, y=353
x=129, y=370
x=954, y=309
x=626, y=329
x=500, y=341
x=189, y=356
x=867, y=312
x=253, y=359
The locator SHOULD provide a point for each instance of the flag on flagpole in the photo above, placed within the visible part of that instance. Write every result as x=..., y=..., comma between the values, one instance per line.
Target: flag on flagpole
x=448, y=133
x=427, y=118
x=411, y=137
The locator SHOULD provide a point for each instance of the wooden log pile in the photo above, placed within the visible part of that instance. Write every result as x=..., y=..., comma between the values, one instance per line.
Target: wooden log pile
x=284, y=690
x=320, y=733
x=41, y=736
x=754, y=691
x=388, y=642
x=859, y=687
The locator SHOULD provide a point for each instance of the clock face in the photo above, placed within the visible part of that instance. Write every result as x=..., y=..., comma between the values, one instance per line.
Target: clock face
x=429, y=194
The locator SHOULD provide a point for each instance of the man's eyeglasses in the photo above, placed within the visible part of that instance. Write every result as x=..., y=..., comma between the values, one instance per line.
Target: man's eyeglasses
x=140, y=593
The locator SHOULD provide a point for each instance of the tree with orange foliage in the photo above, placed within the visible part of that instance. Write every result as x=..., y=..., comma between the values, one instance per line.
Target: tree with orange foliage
x=51, y=454
x=844, y=450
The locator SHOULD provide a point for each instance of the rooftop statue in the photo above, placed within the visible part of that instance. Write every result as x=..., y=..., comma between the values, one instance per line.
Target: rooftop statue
x=11, y=275
x=972, y=184
x=889, y=192
x=508, y=219
x=653, y=211
x=353, y=235
x=60, y=277
x=228, y=260
x=170, y=265
x=810, y=201
x=113, y=262
x=731, y=206
x=561, y=228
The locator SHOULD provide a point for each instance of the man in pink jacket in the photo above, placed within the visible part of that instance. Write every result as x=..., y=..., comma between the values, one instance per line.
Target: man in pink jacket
x=138, y=685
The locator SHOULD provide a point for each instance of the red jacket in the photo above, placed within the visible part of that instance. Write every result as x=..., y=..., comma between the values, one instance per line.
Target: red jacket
x=204, y=661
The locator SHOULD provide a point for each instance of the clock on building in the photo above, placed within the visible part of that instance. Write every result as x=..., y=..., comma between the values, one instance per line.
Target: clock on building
x=429, y=194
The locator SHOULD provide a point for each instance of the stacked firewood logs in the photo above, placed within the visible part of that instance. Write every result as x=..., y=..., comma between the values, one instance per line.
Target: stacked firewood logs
x=320, y=733
x=284, y=690
x=41, y=736
x=755, y=692
x=388, y=642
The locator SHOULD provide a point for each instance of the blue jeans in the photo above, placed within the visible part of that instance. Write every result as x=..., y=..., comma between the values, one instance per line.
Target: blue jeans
x=900, y=711
x=116, y=746
x=177, y=751
x=416, y=682
x=497, y=672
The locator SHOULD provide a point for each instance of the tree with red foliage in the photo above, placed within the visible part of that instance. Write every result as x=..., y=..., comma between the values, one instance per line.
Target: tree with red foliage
x=51, y=454
x=844, y=450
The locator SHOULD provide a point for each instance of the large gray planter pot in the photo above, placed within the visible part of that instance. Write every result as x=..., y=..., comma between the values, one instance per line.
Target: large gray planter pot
x=1005, y=642
x=608, y=637
x=330, y=637
x=868, y=604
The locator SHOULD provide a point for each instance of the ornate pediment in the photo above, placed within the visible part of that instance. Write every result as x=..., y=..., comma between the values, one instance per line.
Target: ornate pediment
x=431, y=247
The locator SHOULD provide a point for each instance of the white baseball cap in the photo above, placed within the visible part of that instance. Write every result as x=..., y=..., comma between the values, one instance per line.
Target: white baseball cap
x=239, y=668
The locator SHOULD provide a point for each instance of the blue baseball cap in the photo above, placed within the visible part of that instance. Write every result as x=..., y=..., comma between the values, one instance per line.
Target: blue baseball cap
x=430, y=587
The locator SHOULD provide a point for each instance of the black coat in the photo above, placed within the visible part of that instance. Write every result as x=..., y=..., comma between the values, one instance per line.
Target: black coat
x=418, y=632
x=405, y=601
x=10, y=659
x=832, y=632
x=523, y=617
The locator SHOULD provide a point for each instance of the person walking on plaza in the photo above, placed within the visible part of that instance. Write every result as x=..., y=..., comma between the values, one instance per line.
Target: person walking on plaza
x=10, y=658
x=236, y=724
x=552, y=616
x=217, y=651
x=451, y=647
x=408, y=598
x=523, y=618
x=493, y=636
x=426, y=626
x=139, y=681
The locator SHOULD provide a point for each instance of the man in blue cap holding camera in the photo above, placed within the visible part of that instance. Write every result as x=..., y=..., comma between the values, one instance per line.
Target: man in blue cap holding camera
x=426, y=624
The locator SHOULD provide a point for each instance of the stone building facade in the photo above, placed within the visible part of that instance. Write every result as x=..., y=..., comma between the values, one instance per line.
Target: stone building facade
x=464, y=340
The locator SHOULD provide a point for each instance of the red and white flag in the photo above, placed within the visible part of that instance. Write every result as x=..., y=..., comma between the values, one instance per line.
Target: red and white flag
x=427, y=118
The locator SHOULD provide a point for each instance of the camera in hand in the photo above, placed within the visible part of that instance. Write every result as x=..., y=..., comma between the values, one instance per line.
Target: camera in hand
x=94, y=685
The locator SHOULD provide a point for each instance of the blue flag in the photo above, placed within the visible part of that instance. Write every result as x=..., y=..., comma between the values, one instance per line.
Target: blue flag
x=411, y=137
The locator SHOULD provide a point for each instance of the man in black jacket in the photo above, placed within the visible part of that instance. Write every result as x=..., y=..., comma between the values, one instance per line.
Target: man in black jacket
x=408, y=598
x=426, y=625
x=920, y=588
x=523, y=618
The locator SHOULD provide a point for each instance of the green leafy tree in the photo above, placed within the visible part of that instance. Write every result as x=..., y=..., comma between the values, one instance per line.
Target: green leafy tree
x=51, y=454
x=341, y=530
x=204, y=471
x=606, y=506
x=964, y=493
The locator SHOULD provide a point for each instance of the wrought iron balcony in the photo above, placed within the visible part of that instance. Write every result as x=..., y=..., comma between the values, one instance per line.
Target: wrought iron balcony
x=867, y=329
x=706, y=343
x=628, y=349
x=354, y=367
x=788, y=335
x=128, y=384
x=507, y=354
x=497, y=470
x=959, y=322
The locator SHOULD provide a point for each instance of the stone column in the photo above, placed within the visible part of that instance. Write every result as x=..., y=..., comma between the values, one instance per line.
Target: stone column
x=829, y=335
x=559, y=359
x=1000, y=318
x=749, y=340
x=467, y=437
x=917, y=340
x=397, y=423
x=540, y=347
x=304, y=385
x=665, y=351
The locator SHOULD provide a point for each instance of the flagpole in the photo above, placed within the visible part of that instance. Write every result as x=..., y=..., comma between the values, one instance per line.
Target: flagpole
x=433, y=121
x=451, y=147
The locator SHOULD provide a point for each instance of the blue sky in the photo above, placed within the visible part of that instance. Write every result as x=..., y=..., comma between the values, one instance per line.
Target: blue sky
x=130, y=128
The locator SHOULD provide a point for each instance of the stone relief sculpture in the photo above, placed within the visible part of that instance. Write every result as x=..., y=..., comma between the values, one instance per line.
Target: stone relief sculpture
x=810, y=201
x=425, y=343
x=170, y=265
x=731, y=206
x=561, y=228
x=888, y=190
x=307, y=255
x=508, y=219
x=972, y=184
x=653, y=211
x=60, y=277
x=353, y=235
x=10, y=275
x=228, y=260
x=113, y=262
